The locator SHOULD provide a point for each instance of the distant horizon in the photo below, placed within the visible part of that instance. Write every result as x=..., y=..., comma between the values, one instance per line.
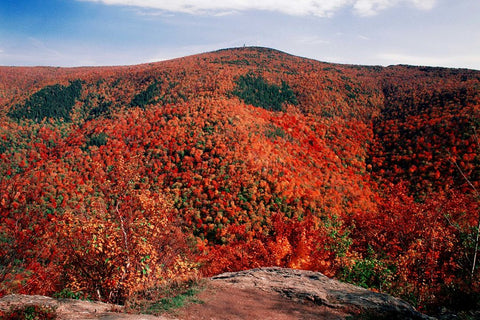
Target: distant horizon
x=232, y=48
x=76, y=33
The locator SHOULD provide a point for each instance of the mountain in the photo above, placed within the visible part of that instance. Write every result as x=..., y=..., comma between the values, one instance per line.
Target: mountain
x=116, y=179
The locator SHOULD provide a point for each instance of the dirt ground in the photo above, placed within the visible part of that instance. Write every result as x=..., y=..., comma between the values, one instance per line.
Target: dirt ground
x=216, y=301
x=225, y=301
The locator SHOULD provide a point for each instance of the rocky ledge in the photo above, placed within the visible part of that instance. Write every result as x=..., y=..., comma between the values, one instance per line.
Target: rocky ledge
x=265, y=293
x=304, y=286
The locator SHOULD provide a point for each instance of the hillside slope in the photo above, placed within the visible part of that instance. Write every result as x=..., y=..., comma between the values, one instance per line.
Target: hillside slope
x=238, y=159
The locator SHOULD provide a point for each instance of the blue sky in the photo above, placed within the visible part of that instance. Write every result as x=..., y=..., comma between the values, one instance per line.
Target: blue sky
x=119, y=32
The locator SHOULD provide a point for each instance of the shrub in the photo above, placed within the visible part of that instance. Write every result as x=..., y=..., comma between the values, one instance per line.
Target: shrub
x=30, y=312
x=165, y=298
x=368, y=273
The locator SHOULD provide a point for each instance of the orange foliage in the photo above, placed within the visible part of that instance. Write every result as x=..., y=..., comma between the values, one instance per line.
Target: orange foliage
x=192, y=179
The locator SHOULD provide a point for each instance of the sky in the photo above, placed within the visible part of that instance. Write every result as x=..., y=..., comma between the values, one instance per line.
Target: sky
x=123, y=32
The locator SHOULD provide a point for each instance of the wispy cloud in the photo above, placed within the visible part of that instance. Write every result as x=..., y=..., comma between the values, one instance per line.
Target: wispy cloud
x=39, y=46
x=321, y=8
x=372, y=7
x=148, y=12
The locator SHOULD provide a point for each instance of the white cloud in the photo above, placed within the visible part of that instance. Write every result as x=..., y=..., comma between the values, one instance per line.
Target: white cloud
x=424, y=4
x=372, y=7
x=321, y=8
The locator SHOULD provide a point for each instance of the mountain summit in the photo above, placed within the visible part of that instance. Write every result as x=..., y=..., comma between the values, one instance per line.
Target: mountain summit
x=118, y=179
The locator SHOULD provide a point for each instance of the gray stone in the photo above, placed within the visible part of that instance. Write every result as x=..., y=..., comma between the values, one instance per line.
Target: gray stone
x=318, y=288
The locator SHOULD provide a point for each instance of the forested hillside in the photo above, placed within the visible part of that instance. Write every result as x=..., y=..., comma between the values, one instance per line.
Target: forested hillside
x=117, y=179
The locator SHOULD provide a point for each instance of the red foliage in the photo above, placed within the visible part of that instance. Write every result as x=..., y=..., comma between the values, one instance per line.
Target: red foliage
x=366, y=166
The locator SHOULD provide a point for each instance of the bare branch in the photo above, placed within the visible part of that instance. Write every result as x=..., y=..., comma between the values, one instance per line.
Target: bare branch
x=477, y=195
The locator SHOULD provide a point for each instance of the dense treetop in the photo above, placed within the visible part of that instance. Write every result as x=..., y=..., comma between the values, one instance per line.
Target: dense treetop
x=236, y=159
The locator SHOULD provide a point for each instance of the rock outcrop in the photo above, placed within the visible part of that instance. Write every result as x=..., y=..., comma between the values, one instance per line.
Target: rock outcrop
x=265, y=293
x=299, y=285
x=70, y=309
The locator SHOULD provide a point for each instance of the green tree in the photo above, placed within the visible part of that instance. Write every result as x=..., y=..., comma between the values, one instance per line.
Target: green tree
x=256, y=91
x=54, y=102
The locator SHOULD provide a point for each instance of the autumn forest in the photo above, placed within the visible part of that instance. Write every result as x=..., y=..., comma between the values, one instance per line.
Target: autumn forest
x=117, y=179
